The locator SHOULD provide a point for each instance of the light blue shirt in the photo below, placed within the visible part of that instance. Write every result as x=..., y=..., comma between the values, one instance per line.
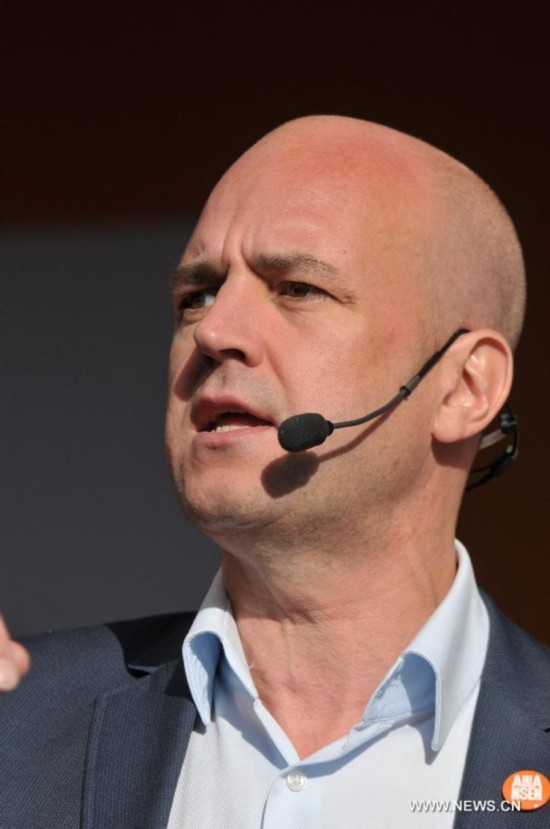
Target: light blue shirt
x=242, y=770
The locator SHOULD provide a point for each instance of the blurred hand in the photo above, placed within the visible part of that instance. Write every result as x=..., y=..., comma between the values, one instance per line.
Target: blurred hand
x=14, y=660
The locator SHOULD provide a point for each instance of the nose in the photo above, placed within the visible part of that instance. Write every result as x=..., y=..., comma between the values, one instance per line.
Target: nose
x=232, y=327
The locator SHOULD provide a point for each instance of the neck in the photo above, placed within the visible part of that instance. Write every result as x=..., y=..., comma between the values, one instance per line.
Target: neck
x=326, y=627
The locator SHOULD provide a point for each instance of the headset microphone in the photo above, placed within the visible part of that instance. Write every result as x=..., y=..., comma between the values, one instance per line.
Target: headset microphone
x=304, y=431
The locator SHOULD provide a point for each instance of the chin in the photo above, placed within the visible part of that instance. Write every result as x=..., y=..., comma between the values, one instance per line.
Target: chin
x=227, y=506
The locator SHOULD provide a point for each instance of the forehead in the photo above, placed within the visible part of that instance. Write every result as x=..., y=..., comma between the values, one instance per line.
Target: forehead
x=270, y=214
x=363, y=225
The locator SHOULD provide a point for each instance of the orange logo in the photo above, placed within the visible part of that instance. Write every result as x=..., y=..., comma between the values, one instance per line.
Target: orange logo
x=529, y=788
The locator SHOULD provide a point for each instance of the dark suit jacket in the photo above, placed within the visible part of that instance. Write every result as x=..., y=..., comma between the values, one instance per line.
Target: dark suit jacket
x=95, y=736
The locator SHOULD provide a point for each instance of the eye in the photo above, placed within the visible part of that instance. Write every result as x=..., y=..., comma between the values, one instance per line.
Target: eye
x=190, y=305
x=300, y=290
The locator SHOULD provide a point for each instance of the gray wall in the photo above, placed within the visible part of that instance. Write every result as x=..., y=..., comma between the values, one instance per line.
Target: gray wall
x=90, y=527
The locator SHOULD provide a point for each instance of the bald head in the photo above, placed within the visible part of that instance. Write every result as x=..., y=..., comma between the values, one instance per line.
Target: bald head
x=464, y=256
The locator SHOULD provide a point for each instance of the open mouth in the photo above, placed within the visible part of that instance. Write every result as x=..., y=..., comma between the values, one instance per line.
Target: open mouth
x=216, y=416
x=229, y=421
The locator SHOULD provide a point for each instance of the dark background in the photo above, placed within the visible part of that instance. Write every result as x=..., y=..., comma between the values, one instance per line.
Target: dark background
x=117, y=120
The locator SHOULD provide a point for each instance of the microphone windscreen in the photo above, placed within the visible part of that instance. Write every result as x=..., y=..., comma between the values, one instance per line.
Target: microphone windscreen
x=304, y=431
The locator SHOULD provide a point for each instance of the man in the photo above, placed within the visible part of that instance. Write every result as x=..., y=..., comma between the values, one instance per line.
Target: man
x=344, y=664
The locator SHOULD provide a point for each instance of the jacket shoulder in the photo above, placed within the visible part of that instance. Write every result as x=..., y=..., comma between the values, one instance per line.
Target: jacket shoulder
x=46, y=722
x=109, y=651
x=516, y=661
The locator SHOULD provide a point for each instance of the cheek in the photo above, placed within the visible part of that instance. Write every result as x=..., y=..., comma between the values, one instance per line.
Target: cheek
x=343, y=360
x=182, y=376
x=172, y=432
x=328, y=380
x=185, y=368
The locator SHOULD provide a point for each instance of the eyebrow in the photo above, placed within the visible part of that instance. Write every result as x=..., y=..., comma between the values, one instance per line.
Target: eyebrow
x=297, y=262
x=293, y=262
x=195, y=273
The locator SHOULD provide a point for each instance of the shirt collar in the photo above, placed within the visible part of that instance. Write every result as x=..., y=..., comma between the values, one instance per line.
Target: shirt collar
x=453, y=642
x=448, y=651
x=214, y=629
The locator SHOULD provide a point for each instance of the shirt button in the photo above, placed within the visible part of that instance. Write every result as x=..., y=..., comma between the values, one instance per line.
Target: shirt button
x=296, y=781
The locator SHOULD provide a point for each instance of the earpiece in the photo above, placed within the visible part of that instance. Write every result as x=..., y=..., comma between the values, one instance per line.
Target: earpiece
x=507, y=427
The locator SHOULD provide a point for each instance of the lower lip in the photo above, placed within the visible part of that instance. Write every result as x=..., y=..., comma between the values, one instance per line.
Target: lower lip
x=215, y=440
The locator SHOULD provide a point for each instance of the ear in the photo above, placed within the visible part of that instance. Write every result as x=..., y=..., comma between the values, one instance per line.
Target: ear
x=476, y=378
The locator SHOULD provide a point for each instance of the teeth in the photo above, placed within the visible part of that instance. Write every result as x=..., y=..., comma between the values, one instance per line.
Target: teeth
x=229, y=427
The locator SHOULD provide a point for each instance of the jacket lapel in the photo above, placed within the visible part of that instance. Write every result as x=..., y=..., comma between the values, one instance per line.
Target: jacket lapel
x=511, y=726
x=135, y=753
x=140, y=730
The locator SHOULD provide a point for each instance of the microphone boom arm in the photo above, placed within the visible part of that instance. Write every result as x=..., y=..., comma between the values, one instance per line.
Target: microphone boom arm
x=304, y=431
